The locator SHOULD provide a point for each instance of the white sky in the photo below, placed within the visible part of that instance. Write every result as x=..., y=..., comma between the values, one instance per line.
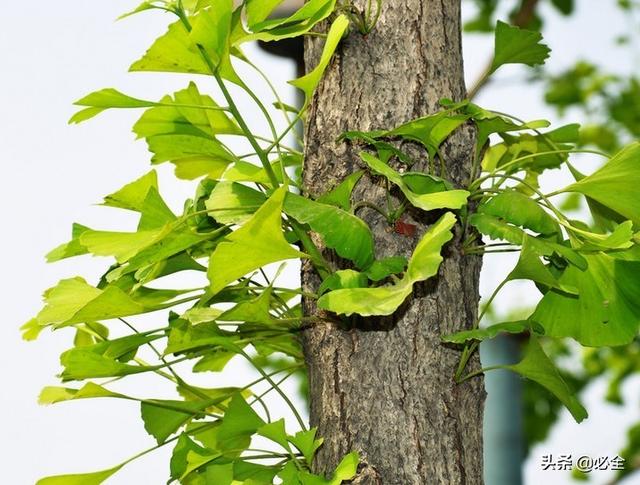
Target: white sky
x=53, y=53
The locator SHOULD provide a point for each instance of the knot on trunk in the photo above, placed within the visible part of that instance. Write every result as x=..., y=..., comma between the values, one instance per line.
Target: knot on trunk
x=367, y=475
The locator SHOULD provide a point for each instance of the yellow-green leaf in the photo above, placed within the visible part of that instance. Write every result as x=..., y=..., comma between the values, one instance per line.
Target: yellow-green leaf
x=260, y=241
x=309, y=82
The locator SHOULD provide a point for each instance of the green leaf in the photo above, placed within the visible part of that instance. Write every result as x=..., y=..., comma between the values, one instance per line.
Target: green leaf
x=259, y=10
x=385, y=150
x=536, y=366
x=431, y=130
x=233, y=203
x=615, y=185
x=99, y=101
x=242, y=171
x=239, y=420
x=178, y=148
x=480, y=334
x=163, y=418
x=347, y=234
x=447, y=199
x=346, y=469
x=384, y=300
x=74, y=301
x=299, y=23
x=105, y=359
x=607, y=310
x=518, y=46
x=133, y=195
x=161, y=252
x=121, y=245
x=172, y=52
x=95, y=478
x=276, y=432
x=258, y=242
x=489, y=123
x=382, y=268
x=529, y=267
x=340, y=196
x=310, y=81
x=212, y=30
x=220, y=474
x=345, y=278
x=54, y=395
x=306, y=443
x=518, y=209
x=500, y=230
x=70, y=249
x=155, y=213
x=256, y=310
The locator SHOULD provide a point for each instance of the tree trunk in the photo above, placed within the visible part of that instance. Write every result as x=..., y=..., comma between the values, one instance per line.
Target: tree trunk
x=384, y=386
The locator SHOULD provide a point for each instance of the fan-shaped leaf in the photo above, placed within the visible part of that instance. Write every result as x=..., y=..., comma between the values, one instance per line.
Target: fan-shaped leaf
x=384, y=300
x=347, y=234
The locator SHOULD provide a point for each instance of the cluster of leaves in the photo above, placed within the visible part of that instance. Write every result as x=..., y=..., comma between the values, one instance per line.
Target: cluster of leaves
x=243, y=217
x=247, y=215
x=606, y=101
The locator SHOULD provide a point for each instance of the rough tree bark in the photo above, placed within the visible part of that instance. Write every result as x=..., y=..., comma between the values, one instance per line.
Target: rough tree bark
x=385, y=387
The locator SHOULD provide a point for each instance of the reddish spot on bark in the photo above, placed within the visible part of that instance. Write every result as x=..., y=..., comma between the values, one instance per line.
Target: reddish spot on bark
x=405, y=229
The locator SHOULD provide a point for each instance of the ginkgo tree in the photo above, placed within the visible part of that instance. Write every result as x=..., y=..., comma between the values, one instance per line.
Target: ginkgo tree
x=389, y=206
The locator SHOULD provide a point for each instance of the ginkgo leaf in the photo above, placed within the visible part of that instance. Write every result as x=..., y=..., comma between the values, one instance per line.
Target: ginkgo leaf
x=518, y=209
x=242, y=171
x=95, y=478
x=445, y=199
x=606, y=310
x=239, y=419
x=536, y=366
x=615, y=185
x=53, y=395
x=490, y=332
x=340, y=230
x=431, y=130
x=259, y=10
x=258, y=242
x=276, y=432
x=233, y=203
x=307, y=443
x=346, y=469
x=211, y=30
x=203, y=112
x=344, y=278
x=310, y=81
x=384, y=300
x=340, y=196
x=82, y=363
x=75, y=301
x=163, y=418
x=104, y=99
x=382, y=268
x=299, y=23
x=121, y=245
x=256, y=310
x=498, y=229
x=70, y=249
x=530, y=267
x=133, y=195
x=518, y=46
x=173, y=52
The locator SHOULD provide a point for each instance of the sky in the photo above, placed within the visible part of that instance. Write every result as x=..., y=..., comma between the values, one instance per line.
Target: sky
x=55, y=174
